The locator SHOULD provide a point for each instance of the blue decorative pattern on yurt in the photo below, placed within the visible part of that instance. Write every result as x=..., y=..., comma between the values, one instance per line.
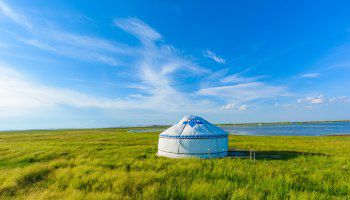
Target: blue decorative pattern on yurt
x=192, y=136
x=193, y=122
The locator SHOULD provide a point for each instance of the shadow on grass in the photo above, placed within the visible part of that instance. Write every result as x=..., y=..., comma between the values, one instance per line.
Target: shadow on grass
x=283, y=155
x=272, y=155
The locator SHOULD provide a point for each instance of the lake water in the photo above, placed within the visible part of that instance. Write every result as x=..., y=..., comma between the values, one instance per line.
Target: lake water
x=310, y=129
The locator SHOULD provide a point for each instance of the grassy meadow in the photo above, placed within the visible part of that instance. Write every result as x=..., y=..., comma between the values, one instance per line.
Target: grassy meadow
x=116, y=164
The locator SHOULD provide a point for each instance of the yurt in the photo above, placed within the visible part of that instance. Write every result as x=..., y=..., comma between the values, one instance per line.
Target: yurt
x=193, y=137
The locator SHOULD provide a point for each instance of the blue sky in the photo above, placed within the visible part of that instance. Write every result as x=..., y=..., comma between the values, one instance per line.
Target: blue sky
x=102, y=64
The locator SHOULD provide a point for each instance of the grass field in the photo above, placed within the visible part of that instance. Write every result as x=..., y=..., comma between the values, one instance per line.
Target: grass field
x=115, y=164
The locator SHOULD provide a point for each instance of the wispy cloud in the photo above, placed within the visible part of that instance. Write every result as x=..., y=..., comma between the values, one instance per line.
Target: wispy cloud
x=239, y=94
x=246, y=91
x=209, y=54
x=156, y=66
x=159, y=65
x=91, y=82
x=68, y=44
x=14, y=16
x=90, y=42
x=75, y=53
x=138, y=28
x=18, y=93
x=310, y=75
x=236, y=78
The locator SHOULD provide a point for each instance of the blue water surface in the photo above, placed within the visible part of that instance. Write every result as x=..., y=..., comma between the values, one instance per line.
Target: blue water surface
x=309, y=129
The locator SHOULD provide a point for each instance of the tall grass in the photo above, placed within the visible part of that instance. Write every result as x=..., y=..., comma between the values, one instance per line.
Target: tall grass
x=115, y=164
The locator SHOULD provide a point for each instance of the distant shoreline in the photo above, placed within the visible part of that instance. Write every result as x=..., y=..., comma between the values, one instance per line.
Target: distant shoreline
x=164, y=126
x=283, y=123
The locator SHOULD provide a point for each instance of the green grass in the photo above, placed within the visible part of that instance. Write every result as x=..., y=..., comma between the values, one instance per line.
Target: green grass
x=115, y=164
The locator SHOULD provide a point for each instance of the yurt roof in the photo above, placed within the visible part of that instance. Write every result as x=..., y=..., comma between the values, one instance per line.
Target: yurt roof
x=193, y=127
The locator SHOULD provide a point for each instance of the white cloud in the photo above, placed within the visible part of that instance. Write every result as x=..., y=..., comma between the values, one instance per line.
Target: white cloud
x=209, y=54
x=245, y=91
x=155, y=64
x=89, y=50
x=138, y=28
x=63, y=43
x=310, y=75
x=231, y=106
x=89, y=42
x=228, y=106
x=321, y=99
x=156, y=67
x=316, y=100
x=14, y=16
x=243, y=107
x=312, y=100
x=240, y=94
x=236, y=78
x=20, y=94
